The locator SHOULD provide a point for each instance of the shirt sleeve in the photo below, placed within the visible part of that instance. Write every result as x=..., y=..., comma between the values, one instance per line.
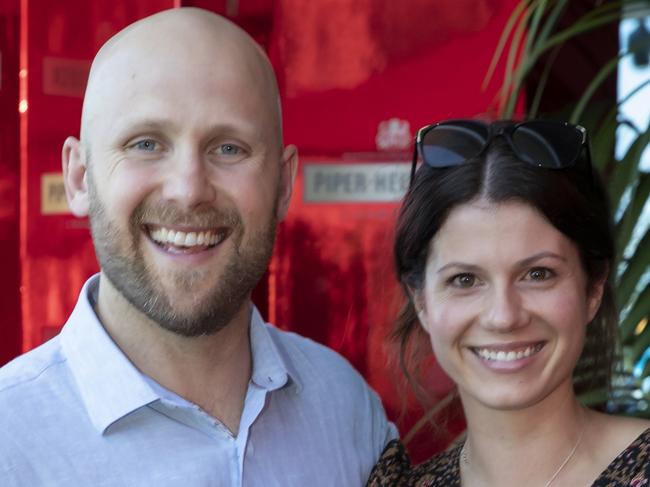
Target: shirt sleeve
x=383, y=430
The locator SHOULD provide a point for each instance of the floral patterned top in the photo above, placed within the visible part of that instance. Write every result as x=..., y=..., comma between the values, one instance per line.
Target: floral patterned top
x=631, y=468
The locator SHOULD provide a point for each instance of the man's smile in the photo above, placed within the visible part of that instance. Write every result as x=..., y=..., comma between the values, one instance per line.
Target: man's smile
x=188, y=241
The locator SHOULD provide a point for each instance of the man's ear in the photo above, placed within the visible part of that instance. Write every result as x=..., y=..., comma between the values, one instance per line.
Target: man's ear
x=287, y=178
x=73, y=158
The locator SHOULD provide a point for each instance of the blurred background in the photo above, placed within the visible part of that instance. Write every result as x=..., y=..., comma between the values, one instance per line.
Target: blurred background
x=357, y=79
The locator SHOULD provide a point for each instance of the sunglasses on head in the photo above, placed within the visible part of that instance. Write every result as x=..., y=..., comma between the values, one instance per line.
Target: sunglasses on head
x=542, y=143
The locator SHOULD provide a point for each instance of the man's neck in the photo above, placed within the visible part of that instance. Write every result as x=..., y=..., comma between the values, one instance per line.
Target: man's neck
x=212, y=371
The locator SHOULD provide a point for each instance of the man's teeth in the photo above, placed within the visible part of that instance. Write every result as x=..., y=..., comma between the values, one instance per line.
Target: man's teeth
x=509, y=356
x=186, y=239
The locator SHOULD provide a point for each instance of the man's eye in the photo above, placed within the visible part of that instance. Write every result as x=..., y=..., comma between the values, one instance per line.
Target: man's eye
x=229, y=149
x=540, y=274
x=463, y=280
x=147, y=145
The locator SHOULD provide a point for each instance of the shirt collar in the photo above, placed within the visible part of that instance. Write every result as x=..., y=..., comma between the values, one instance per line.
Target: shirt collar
x=111, y=387
x=270, y=369
x=109, y=384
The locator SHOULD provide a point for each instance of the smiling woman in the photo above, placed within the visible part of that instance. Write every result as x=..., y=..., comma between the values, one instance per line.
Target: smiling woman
x=503, y=247
x=505, y=303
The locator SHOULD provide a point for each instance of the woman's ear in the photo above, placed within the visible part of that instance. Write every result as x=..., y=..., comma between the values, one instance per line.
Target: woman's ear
x=73, y=159
x=595, y=295
x=417, y=298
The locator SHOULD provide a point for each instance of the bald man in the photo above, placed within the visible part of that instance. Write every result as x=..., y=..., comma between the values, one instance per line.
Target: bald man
x=165, y=374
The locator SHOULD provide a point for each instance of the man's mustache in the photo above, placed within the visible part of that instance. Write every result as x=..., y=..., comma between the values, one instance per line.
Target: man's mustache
x=169, y=214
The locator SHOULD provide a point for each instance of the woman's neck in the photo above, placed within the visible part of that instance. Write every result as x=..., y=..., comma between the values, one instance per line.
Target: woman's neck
x=527, y=446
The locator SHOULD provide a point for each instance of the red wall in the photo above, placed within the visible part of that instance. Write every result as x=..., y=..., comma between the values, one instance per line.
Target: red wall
x=10, y=331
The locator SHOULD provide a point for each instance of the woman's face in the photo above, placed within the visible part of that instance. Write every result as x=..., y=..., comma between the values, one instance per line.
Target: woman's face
x=506, y=304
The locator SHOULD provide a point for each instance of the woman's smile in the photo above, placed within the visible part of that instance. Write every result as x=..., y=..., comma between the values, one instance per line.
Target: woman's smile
x=507, y=352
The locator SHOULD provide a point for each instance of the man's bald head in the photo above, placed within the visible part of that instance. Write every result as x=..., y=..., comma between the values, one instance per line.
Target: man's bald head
x=179, y=40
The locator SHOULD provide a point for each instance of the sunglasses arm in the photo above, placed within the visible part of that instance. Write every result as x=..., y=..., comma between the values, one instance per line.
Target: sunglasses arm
x=589, y=160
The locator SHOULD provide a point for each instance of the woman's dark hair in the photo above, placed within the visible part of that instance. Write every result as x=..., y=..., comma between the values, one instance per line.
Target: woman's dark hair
x=573, y=200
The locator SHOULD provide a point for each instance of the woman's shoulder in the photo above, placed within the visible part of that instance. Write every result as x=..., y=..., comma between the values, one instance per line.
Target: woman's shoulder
x=631, y=466
x=394, y=469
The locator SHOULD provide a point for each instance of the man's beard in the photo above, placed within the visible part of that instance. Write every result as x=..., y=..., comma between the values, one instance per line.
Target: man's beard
x=122, y=262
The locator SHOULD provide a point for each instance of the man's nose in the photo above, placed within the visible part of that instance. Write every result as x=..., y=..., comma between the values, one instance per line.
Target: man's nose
x=188, y=182
x=504, y=310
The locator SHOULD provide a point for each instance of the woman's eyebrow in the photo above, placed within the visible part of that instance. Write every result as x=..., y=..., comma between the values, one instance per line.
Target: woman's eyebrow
x=460, y=265
x=522, y=263
x=541, y=255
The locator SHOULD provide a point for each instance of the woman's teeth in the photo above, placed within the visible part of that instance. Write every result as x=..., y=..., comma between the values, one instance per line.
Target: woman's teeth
x=507, y=356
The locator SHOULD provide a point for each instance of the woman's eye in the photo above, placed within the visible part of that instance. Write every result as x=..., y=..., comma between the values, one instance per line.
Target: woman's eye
x=540, y=274
x=463, y=280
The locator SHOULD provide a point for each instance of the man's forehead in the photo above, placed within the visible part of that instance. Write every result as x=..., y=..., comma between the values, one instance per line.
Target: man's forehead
x=200, y=39
x=213, y=57
x=159, y=65
x=144, y=86
x=175, y=27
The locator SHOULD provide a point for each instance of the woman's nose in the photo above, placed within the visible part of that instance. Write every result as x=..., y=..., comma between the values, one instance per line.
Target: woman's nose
x=503, y=309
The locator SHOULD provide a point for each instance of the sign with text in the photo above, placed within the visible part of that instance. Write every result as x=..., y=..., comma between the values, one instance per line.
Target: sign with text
x=65, y=77
x=359, y=183
x=53, y=200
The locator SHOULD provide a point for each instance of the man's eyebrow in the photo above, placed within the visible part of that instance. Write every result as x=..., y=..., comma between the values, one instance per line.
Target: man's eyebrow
x=522, y=263
x=143, y=125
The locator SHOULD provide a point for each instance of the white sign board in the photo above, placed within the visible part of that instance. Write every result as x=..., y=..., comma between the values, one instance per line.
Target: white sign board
x=355, y=183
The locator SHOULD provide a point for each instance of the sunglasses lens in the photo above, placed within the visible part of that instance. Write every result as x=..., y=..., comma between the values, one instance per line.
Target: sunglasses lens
x=547, y=143
x=451, y=144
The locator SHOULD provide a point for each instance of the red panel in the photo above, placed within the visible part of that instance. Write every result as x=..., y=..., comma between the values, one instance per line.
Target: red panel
x=10, y=332
x=347, y=65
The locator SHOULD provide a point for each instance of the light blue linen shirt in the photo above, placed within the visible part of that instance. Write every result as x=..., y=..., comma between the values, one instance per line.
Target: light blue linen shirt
x=76, y=412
